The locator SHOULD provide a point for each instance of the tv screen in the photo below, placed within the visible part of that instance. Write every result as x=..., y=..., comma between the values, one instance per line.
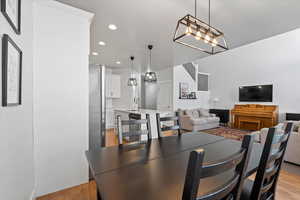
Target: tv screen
x=257, y=93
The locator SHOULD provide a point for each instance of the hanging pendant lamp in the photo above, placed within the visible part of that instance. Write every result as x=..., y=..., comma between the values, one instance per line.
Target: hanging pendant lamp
x=149, y=75
x=195, y=33
x=132, y=80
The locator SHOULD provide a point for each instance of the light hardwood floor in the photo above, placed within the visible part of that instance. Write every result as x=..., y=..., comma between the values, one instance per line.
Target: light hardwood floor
x=82, y=192
x=288, y=185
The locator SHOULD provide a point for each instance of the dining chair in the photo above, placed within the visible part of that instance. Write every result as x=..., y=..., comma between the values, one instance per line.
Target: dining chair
x=174, y=119
x=133, y=133
x=264, y=185
x=198, y=170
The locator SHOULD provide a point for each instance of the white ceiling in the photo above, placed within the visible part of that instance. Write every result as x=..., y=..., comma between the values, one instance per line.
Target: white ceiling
x=142, y=22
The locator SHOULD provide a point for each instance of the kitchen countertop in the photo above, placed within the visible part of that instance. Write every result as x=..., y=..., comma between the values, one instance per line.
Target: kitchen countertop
x=143, y=111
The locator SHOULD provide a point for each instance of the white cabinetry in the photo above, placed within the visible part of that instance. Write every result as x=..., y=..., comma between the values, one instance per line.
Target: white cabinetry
x=113, y=90
x=113, y=85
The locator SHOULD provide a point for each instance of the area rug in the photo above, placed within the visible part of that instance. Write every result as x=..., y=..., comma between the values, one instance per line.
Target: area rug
x=227, y=132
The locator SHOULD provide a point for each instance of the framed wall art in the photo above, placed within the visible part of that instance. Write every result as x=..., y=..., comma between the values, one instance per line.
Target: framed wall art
x=183, y=90
x=11, y=72
x=11, y=9
x=185, y=93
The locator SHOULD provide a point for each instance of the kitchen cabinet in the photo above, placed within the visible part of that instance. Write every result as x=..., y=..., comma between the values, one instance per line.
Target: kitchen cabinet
x=113, y=85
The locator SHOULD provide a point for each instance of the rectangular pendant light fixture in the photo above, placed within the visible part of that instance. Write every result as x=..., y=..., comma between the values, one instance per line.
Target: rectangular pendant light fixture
x=195, y=33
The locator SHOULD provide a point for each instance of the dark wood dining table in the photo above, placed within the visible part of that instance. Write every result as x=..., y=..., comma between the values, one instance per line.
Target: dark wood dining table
x=156, y=170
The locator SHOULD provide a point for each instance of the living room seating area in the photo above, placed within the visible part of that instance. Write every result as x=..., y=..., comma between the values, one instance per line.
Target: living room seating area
x=198, y=119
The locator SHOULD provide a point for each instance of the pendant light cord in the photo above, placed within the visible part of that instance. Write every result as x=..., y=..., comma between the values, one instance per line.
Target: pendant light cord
x=209, y=13
x=131, y=70
x=150, y=61
x=150, y=57
x=195, y=8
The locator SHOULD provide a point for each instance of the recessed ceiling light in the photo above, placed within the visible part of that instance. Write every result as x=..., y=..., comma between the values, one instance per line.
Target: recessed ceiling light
x=102, y=43
x=118, y=62
x=112, y=27
x=95, y=53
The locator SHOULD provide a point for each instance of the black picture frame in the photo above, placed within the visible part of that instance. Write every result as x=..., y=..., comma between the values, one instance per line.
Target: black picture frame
x=15, y=26
x=6, y=40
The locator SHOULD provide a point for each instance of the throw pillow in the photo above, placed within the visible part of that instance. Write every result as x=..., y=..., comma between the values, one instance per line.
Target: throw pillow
x=195, y=114
x=204, y=112
x=192, y=113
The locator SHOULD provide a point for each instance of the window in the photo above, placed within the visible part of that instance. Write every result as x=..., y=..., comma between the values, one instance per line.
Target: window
x=203, y=81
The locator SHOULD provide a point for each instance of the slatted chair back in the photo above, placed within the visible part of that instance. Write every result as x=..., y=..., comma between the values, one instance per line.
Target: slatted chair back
x=175, y=127
x=133, y=133
x=198, y=170
x=264, y=186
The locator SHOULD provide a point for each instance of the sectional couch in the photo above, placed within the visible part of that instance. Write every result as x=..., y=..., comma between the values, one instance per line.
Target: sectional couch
x=198, y=119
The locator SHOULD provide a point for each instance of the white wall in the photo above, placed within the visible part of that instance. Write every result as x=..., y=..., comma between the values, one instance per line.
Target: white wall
x=16, y=132
x=274, y=61
x=165, y=89
x=61, y=48
x=181, y=75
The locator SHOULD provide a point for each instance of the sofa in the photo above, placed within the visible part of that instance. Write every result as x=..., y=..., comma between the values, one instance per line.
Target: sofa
x=198, y=119
x=292, y=154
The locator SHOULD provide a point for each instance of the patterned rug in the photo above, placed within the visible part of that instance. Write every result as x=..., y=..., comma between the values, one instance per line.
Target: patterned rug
x=229, y=133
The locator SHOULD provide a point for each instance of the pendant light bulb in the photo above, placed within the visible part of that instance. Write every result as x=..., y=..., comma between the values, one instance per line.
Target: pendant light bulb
x=188, y=30
x=198, y=35
x=207, y=38
x=214, y=42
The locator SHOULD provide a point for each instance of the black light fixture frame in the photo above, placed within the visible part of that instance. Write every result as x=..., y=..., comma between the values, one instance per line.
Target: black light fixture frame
x=196, y=25
x=132, y=81
x=150, y=73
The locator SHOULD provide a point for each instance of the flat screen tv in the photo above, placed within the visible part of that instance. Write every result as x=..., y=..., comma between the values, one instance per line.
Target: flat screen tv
x=257, y=93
